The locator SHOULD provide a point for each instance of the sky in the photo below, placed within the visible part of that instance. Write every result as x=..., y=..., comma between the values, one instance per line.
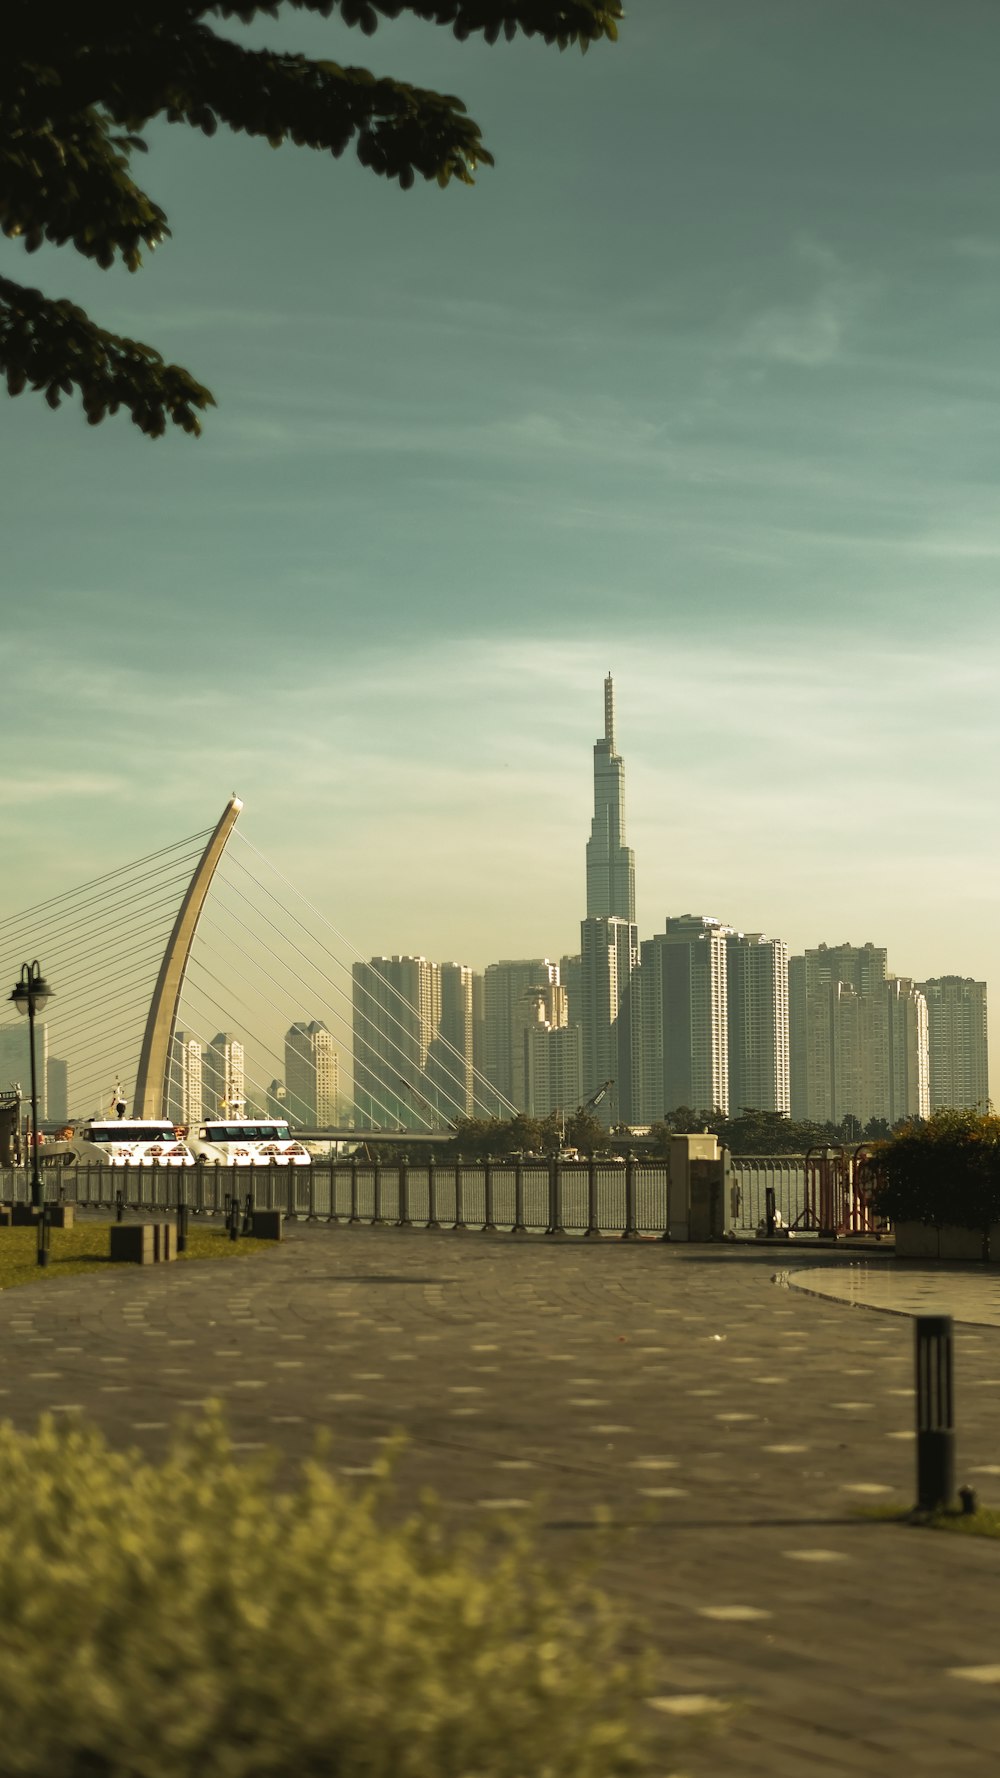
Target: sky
x=700, y=385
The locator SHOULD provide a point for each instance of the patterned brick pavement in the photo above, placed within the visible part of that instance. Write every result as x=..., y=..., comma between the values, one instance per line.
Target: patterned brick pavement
x=729, y=1425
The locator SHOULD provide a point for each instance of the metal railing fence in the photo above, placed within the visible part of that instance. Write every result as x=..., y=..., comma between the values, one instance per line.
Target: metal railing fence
x=598, y=1198
x=573, y=1198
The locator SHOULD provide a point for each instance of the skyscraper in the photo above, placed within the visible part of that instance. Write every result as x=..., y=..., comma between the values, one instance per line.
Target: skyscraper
x=609, y=955
x=15, y=1061
x=223, y=1077
x=757, y=1010
x=511, y=991
x=186, y=1080
x=312, y=1076
x=836, y=1060
x=609, y=939
x=610, y=862
x=450, y=1069
x=57, y=1083
x=959, y=1054
x=397, y=1011
x=682, y=1017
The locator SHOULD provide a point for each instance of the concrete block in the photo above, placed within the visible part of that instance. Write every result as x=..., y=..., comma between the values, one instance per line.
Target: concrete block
x=133, y=1243
x=24, y=1216
x=265, y=1225
x=6, y=1216
x=62, y=1216
x=916, y=1240
x=959, y=1243
x=164, y=1241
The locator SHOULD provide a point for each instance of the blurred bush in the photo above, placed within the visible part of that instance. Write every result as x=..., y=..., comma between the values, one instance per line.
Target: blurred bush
x=945, y=1170
x=191, y=1620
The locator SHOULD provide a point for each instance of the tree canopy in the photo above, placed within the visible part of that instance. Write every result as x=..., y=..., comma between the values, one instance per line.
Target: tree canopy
x=79, y=84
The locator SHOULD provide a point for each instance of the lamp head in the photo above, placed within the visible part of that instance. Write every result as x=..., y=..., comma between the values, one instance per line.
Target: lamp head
x=32, y=993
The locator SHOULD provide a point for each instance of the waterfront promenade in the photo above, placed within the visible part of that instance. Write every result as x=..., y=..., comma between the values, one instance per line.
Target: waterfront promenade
x=748, y=1418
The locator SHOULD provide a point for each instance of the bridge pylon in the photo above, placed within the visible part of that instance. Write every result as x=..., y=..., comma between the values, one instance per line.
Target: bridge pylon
x=154, y=1057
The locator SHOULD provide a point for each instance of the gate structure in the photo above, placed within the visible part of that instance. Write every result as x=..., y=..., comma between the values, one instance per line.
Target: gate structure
x=837, y=1194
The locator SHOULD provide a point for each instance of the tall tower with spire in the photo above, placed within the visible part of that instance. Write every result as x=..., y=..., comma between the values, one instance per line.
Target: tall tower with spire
x=610, y=863
x=609, y=944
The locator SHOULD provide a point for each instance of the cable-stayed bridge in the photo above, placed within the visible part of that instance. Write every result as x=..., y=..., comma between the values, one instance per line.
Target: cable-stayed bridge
x=155, y=961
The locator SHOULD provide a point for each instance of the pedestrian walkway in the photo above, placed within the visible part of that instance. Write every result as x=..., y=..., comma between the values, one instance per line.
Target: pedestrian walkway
x=971, y=1293
x=729, y=1428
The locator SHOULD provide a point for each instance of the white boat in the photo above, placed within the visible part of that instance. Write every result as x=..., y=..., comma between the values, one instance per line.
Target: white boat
x=118, y=1142
x=246, y=1142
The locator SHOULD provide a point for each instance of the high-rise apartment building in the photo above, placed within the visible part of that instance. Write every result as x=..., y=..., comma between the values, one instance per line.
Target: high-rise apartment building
x=610, y=862
x=57, y=1085
x=907, y=1034
x=682, y=1020
x=223, y=1077
x=553, y=1066
x=397, y=1011
x=957, y=1041
x=186, y=1080
x=859, y=1038
x=609, y=950
x=833, y=1041
x=511, y=991
x=757, y=1014
x=15, y=1062
x=312, y=1076
x=450, y=1071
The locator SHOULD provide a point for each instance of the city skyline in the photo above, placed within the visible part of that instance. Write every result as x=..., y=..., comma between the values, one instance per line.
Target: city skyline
x=752, y=1023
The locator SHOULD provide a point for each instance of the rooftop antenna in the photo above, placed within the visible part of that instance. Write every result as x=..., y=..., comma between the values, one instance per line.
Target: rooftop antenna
x=609, y=712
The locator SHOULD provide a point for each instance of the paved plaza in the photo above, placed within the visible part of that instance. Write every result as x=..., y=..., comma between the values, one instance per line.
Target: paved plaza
x=729, y=1421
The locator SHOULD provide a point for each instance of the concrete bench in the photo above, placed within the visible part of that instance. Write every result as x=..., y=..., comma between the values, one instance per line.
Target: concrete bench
x=61, y=1216
x=143, y=1243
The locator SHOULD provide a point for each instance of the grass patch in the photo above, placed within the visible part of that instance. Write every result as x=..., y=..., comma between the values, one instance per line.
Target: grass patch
x=984, y=1522
x=85, y=1249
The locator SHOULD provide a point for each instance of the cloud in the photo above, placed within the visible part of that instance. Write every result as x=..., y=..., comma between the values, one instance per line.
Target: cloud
x=811, y=332
x=22, y=792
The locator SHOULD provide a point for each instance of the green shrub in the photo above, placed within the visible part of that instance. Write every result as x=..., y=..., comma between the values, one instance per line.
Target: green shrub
x=946, y=1170
x=190, y=1620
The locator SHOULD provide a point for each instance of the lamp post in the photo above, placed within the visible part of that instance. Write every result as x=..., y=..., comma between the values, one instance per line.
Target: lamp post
x=32, y=995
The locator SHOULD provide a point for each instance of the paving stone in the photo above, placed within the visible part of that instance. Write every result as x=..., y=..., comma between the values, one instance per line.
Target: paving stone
x=823, y=1628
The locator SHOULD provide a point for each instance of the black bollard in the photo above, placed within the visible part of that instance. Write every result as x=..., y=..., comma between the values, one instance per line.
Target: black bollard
x=233, y=1217
x=935, y=1412
x=769, y=1224
x=120, y=1206
x=44, y=1236
x=182, y=1226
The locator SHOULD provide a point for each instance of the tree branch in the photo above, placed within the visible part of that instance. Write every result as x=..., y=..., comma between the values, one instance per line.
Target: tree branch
x=55, y=346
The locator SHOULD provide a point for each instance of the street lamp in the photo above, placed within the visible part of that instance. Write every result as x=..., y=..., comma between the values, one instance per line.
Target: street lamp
x=32, y=995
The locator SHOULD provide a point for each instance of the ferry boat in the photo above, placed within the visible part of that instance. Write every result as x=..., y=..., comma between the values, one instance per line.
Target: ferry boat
x=246, y=1142
x=118, y=1142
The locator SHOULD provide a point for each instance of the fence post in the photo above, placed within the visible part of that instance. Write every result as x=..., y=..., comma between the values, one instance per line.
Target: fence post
x=403, y=1221
x=630, y=1231
x=432, y=1207
x=182, y=1217
x=519, y=1228
x=354, y=1217
x=593, y=1227
x=489, y=1226
x=555, y=1207
x=291, y=1213
x=935, y=1411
